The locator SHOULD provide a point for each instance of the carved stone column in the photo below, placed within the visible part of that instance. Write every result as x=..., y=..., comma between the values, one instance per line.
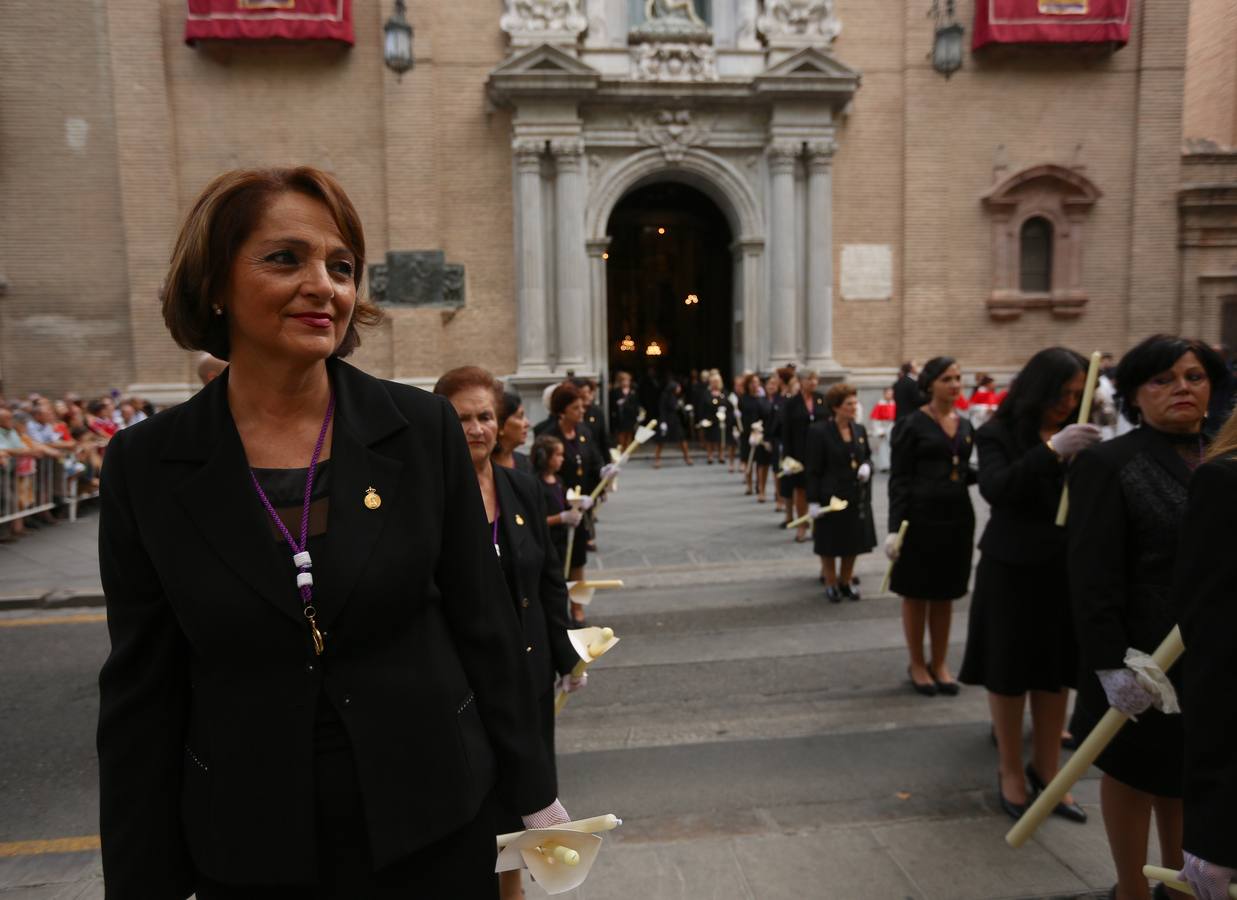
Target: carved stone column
x=782, y=307
x=820, y=256
x=597, y=255
x=531, y=258
x=571, y=262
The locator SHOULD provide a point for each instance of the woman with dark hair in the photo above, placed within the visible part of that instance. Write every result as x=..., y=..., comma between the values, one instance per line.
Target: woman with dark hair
x=1207, y=612
x=1020, y=639
x=517, y=526
x=624, y=409
x=547, y=459
x=787, y=387
x=513, y=428
x=839, y=464
x=754, y=408
x=1127, y=500
x=928, y=487
x=583, y=468
x=315, y=686
x=798, y=414
x=670, y=422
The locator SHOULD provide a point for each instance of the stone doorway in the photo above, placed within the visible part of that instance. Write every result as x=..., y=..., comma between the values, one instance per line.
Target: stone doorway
x=669, y=282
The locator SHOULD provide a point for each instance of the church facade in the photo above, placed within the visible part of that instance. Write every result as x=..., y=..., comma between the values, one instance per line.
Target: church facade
x=526, y=186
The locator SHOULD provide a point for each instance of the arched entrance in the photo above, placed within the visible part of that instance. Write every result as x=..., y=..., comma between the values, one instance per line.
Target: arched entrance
x=669, y=282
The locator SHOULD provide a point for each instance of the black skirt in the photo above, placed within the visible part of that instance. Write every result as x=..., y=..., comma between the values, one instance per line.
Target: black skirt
x=935, y=562
x=1021, y=635
x=1147, y=755
x=849, y=532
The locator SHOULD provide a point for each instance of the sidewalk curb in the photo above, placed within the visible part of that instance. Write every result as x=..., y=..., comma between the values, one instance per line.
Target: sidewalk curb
x=54, y=600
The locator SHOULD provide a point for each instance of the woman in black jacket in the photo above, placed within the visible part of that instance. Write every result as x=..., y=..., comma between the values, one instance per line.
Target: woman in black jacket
x=670, y=429
x=516, y=526
x=1206, y=609
x=1127, y=500
x=753, y=409
x=624, y=409
x=839, y=464
x=928, y=487
x=1020, y=639
x=316, y=684
x=798, y=414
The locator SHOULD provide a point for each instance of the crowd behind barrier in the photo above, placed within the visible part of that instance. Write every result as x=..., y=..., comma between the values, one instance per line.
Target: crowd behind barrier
x=51, y=453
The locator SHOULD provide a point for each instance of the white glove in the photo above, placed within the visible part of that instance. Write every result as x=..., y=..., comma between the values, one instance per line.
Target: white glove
x=1207, y=880
x=891, y=546
x=552, y=815
x=570, y=683
x=663, y=427
x=570, y=517
x=586, y=502
x=1073, y=439
x=609, y=469
x=1124, y=692
x=864, y=473
x=689, y=408
x=814, y=510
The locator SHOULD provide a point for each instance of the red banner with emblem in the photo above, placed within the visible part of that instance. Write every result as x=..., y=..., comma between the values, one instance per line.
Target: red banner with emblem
x=264, y=20
x=1052, y=22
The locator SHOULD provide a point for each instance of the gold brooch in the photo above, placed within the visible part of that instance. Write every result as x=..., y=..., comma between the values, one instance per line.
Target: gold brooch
x=372, y=500
x=519, y=519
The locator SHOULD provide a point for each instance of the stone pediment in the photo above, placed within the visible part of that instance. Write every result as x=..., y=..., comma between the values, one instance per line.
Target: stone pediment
x=809, y=72
x=541, y=70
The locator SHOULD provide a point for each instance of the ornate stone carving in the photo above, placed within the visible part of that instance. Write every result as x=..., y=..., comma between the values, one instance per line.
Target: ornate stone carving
x=820, y=153
x=532, y=22
x=783, y=155
x=417, y=278
x=528, y=153
x=569, y=151
x=674, y=62
x=799, y=23
x=670, y=20
x=671, y=131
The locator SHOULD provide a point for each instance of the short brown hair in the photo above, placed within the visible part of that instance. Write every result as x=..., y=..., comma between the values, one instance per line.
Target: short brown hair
x=564, y=395
x=222, y=218
x=837, y=394
x=464, y=377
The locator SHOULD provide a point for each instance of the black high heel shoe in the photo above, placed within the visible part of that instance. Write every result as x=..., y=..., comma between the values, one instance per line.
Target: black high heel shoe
x=1013, y=810
x=1071, y=811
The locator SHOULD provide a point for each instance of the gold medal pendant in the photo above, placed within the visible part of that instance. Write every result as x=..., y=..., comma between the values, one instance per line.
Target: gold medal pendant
x=319, y=644
x=580, y=471
x=372, y=500
x=953, y=476
x=854, y=465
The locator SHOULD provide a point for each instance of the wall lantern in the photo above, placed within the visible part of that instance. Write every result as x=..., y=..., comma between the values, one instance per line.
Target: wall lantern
x=947, y=45
x=653, y=349
x=397, y=41
x=691, y=300
x=627, y=345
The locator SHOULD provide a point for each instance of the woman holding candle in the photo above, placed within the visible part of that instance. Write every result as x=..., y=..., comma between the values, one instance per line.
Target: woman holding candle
x=513, y=428
x=798, y=414
x=670, y=422
x=1127, y=498
x=839, y=464
x=928, y=487
x=624, y=409
x=753, y=409
x=583, y=468
x=314, y=686
x=712, y=404
x=1021, y=637
x=561, y=517
x=516, y=525
x=1204, y=603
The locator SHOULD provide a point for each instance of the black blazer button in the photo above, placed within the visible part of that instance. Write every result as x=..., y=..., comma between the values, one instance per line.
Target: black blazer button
x=524, y=603
x=347, y=701
x=528, y=649
x=309, y=667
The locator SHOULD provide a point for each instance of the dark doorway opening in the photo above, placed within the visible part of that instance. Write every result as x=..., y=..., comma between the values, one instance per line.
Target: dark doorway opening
x=669, y=283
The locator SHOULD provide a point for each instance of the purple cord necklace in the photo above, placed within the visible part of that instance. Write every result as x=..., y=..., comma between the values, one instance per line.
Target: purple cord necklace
x=300, y=555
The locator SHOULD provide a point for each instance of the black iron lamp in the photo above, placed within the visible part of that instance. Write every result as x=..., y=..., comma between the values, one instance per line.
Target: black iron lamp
x=947, y=44
x=397, y=41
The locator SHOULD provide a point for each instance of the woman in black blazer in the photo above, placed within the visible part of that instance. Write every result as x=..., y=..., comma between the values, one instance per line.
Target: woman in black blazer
x=798, y=414
x=516, y=526
x=1020, y=639
x=839, y=464
x=1127, y=500
x=1207, y=613
x=338, y=726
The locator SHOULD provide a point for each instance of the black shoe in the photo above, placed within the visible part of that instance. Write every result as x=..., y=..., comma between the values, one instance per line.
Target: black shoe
x=1013, y=810
x=832, y=594
x=1071, y=811
x=849, y=592
x=946, y=688
x=1069, y=743
x=927, y=690
x=854, y=579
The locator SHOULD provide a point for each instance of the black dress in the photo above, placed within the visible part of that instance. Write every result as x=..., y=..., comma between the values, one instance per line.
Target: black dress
x=753, y=409
x=555, y=498
x=1021, y=635
x=928, y=487
x=624, y=410
x=670, y=414
x=832, y=466
x=796, y=419
x=1206, y=606
x=581, y=469
x=1127, y=501
x=706, y=415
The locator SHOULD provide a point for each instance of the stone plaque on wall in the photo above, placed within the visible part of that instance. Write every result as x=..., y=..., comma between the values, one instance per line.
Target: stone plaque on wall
x=417, y=278
x=867, y=272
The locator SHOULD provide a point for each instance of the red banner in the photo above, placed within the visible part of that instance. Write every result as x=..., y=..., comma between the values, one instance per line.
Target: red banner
x=1052, y=22
x=264, y=20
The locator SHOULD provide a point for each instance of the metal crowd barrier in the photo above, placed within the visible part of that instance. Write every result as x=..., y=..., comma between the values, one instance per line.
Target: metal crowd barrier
x=46, y=486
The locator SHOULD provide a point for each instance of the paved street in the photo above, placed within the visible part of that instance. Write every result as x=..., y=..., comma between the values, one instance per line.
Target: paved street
x=758, y=742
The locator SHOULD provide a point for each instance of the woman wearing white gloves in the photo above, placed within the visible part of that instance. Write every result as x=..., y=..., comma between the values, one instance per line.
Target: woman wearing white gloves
x=1206, y=607
x=1020, y=640
x=1127, y=501
x=839, y=464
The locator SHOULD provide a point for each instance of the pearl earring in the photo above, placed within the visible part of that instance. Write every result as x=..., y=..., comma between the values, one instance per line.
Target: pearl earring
x=219, y=310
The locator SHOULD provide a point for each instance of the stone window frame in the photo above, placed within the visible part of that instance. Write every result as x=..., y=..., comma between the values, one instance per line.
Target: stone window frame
x=1063, y=197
